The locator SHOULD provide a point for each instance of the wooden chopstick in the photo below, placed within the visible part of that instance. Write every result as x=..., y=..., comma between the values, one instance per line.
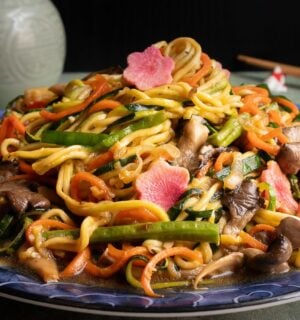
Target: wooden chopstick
x=267, y=64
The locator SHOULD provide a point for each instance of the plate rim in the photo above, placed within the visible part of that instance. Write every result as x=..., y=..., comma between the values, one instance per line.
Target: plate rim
x=284, y=299
x=99, y=308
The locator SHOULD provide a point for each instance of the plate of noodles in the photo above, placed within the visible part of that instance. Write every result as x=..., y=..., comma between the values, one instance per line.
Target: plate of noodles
x=157, y=189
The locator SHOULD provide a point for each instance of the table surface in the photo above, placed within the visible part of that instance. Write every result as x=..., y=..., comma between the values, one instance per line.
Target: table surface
x=290, y=311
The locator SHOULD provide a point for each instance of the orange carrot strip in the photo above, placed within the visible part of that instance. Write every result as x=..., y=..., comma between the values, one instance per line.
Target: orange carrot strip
x=100, y=160
x=100, y=87
x=261, y=91
x=223, y=159
x=261, y=227
x=134, y=216
x=252, y=103
x=286, y=103
x=106, y=272
x=77, y=265
x=92, y=180
x=4, y=128
x=46, y=223
x=25, y=167
x=103, y=105
x=252, y=242
x=275, y=133
x=150, y=267
x=260, y=144
x=202, y=72
x=275, y=116
x=21, y=177
x=17, y=124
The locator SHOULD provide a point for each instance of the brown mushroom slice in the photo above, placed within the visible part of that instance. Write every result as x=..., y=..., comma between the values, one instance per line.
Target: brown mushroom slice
x=272, y=261
x=292, y=133
x=289, y=158
x=45, y=267
x=242, y=203
x=228, y=263
x=290, y=228
x=195, y=134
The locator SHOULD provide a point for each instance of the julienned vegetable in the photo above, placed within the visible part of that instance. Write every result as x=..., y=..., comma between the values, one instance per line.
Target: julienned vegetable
x=231, y=130
x=100, y=140
x=165, y=231
x=249, y=165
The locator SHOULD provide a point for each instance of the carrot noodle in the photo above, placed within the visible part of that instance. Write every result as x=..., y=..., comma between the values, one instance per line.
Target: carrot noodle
x=203, y=71
x=150, y=267
x=261, y=227
x=103, y=105
x=77, y=265
x=93, y=181
x=252, y=242
x=100, y=161
x=260, y=144
x=225, y=158
x=286, y=103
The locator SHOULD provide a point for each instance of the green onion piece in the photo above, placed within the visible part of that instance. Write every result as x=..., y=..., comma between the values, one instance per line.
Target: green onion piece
x=295, y=186
x=250, y=164
x=5, y=223
x=265, y=186
x=231, y=130
x=193, y=214
x=164, y=230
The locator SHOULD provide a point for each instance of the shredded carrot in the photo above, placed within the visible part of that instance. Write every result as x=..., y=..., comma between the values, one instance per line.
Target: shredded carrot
x=46, y=223
x=25, y=167
x=134, y=216
x=103, y=105
x=150, y=267
x=252, y=103
x=99, y=85
x=17, y=124
x=100, y=160
x=260, y=144
x=224, y=158
x=258, y=90
x=21, y=177
x=77, y=265
x=92, y=180
x=275, y=116
x=275, y=133
x=252, y=242
x=106, y=272
x=286, y=103
x=3, y=129
x=261, y=227
x=202, y=72
x=9, y=125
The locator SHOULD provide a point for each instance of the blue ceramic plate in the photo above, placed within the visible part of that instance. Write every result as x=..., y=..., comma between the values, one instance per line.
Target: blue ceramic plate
x=98, y=300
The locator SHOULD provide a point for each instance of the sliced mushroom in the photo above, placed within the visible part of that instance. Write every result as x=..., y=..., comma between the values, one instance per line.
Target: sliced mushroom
x=45, y=267
x=289, y=158
x=242, y=203
x=290, y=228
x=292, y=133
x=228, y=263
x=21, y=197
x=273, y=260
x=195, y=134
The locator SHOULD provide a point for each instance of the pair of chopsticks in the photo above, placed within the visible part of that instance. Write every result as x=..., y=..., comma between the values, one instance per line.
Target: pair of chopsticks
x=267, y=64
